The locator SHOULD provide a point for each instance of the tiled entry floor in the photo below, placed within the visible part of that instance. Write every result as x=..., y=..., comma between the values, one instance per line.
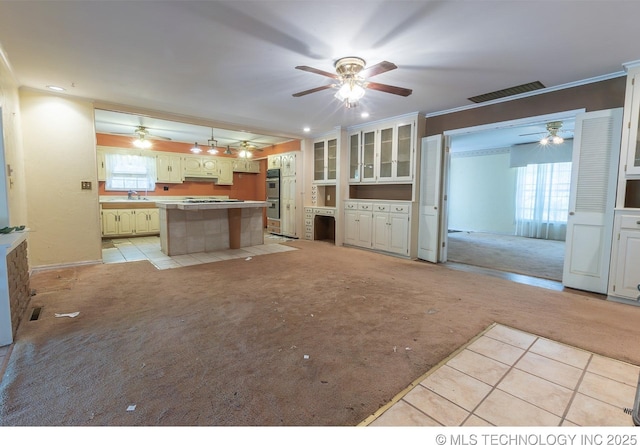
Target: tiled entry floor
x=121, y=250
x=507, y=377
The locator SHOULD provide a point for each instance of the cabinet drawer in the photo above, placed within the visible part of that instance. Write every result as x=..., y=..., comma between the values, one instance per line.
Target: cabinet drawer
x=399, y=208
x=381, y=207
x=308, y=229
x=630, y=222
x=308, y=211
x=308, y=222
x=365, y=206
x=350, y=205
x=329, y=212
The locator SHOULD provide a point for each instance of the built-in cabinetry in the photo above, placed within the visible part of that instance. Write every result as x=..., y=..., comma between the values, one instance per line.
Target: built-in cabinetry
x=208, y=167
x=243, y=165
x=384, y=152
x=325, y=161
x=624, y=277
x=129, y=221
x=624, y=270
x=177, y=168
x=378, y=225
x=169, y=168
x=326, y=223
x=289, y=194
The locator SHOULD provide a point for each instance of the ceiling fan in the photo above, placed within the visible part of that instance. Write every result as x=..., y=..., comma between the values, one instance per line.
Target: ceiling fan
x=351, y=75
x=245, y=149
x=552, y=136
x=142, y=135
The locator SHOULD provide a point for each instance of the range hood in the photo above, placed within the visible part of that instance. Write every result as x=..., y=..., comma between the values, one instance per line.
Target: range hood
x=201, y=178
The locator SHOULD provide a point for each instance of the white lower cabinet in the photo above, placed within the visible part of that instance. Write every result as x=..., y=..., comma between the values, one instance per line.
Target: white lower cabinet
x=624, y=277
x=118, y=222
x=378, y=225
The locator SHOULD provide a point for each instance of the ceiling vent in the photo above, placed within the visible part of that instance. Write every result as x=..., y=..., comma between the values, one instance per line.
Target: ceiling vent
x=524, y=88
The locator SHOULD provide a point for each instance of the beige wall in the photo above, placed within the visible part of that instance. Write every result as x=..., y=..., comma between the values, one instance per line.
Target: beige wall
x=12, y=144
x=60, y=151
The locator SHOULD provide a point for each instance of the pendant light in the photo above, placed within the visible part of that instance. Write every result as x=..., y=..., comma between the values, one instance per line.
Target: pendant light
x=195, y=148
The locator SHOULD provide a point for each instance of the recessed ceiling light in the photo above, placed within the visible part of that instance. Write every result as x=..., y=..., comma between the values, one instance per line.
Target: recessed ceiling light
x=306, y=129
x=364, y=114
x=55, y=88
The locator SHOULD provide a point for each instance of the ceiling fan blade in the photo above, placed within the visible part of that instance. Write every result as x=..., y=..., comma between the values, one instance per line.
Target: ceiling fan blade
x=313, y=90
x=317, y=71
x=378, y=68
x=389, y=89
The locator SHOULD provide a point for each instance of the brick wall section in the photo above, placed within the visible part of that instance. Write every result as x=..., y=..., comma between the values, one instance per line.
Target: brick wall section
x=18, y=281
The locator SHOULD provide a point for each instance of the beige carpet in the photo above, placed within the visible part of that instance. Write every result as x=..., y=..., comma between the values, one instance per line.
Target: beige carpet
x=517, y=254
x=322, y=335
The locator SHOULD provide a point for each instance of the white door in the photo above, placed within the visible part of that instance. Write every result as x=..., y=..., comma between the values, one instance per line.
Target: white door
x=430, y=189
x=596, y=153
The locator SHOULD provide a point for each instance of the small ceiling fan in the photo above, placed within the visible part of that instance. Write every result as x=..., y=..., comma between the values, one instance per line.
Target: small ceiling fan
x=552, y=136
x=351, y=75
x=245, y=149
x=142, y=135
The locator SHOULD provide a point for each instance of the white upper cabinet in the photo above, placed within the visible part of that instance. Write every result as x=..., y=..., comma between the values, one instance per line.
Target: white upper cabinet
x=385, y=153
x=631, y=126
x=325, y=161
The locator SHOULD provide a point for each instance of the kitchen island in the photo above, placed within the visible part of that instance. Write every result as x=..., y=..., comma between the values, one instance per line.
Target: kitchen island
x=194, y=226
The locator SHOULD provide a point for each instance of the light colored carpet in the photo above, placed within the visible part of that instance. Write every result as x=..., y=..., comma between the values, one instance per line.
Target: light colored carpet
x=526, y=256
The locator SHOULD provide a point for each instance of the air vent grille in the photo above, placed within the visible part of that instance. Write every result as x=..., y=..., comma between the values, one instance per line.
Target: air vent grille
x=524, y=88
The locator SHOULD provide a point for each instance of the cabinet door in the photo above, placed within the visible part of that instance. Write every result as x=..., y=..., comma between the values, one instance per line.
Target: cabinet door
x=142, y=221
x=332, y=159
x=398, y=233
x=288, y=164
x=318, y=161
x=368, y=156
x=102, y=170
x=380, y=231
x=354, y=157
x=192, y=165
x=126, y=222
x=109, y=222
x=633, y=143
x=403, y=165
x=154, y=220
x=628, y=265
x=253, y=167
x=224, y=172
x=385, y=165
x=351, y=227
x=168, y=168
x=365, y=228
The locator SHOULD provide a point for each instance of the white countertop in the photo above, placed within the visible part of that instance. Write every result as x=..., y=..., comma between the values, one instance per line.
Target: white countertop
x=9, y=241
x=195, y=206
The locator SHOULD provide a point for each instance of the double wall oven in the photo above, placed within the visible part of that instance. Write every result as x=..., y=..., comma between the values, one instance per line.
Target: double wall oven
x=273, y=193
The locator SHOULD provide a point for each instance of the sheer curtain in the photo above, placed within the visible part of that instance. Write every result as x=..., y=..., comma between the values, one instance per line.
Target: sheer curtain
x=542, y=200
x=130, y=172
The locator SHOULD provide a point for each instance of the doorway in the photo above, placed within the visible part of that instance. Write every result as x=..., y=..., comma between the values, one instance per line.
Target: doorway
x=508, y=196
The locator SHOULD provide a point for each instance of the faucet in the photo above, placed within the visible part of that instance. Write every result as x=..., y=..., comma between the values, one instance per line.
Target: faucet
x=131, y=192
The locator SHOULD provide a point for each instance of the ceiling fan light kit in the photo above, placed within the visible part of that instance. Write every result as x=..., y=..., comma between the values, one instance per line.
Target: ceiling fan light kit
x=351, y=76
x=552, y=138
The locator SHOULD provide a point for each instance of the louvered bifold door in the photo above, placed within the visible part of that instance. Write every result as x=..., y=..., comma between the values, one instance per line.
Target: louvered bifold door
x=430, y=192
x=596, y=154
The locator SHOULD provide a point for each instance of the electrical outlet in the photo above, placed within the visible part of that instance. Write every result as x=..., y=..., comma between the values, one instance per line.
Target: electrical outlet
x=85, y=185
x=328, y=197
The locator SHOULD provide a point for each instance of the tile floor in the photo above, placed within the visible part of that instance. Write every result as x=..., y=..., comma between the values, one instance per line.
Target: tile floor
x=506, y=377
x=120, y=250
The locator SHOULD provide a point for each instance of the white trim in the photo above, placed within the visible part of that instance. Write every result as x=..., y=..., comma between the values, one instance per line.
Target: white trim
x=531, y=93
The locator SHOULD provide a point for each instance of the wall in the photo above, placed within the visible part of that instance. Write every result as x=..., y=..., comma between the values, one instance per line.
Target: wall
x=59, y=152
x=594, y=96
x=245, y=185
x=14, y=189
x=482, y=192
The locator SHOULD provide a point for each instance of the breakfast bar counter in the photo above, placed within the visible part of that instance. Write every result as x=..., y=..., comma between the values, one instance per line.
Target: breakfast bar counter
x=194, y=226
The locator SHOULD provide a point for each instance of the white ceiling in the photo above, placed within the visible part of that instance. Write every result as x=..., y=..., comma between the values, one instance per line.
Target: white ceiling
x=232, y=63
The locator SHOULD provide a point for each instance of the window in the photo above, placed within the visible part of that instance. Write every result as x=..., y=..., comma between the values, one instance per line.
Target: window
x=130, y=172
x=542, y=200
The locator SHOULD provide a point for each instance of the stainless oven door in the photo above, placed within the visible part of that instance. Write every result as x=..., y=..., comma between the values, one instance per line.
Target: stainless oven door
x=273, y=208
x=273, y=188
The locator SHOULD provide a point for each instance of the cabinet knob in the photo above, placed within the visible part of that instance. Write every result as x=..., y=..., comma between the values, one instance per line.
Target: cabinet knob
x=572, y=213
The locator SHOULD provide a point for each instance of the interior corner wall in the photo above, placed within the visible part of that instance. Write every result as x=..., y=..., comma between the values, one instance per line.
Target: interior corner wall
x=15, y=185
x=594, y=96
x=60, y=152
x=482, y=191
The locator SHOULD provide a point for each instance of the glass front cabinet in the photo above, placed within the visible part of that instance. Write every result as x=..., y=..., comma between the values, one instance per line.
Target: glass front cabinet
x=325, y=161
x=383, y=154
x=632, y=121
